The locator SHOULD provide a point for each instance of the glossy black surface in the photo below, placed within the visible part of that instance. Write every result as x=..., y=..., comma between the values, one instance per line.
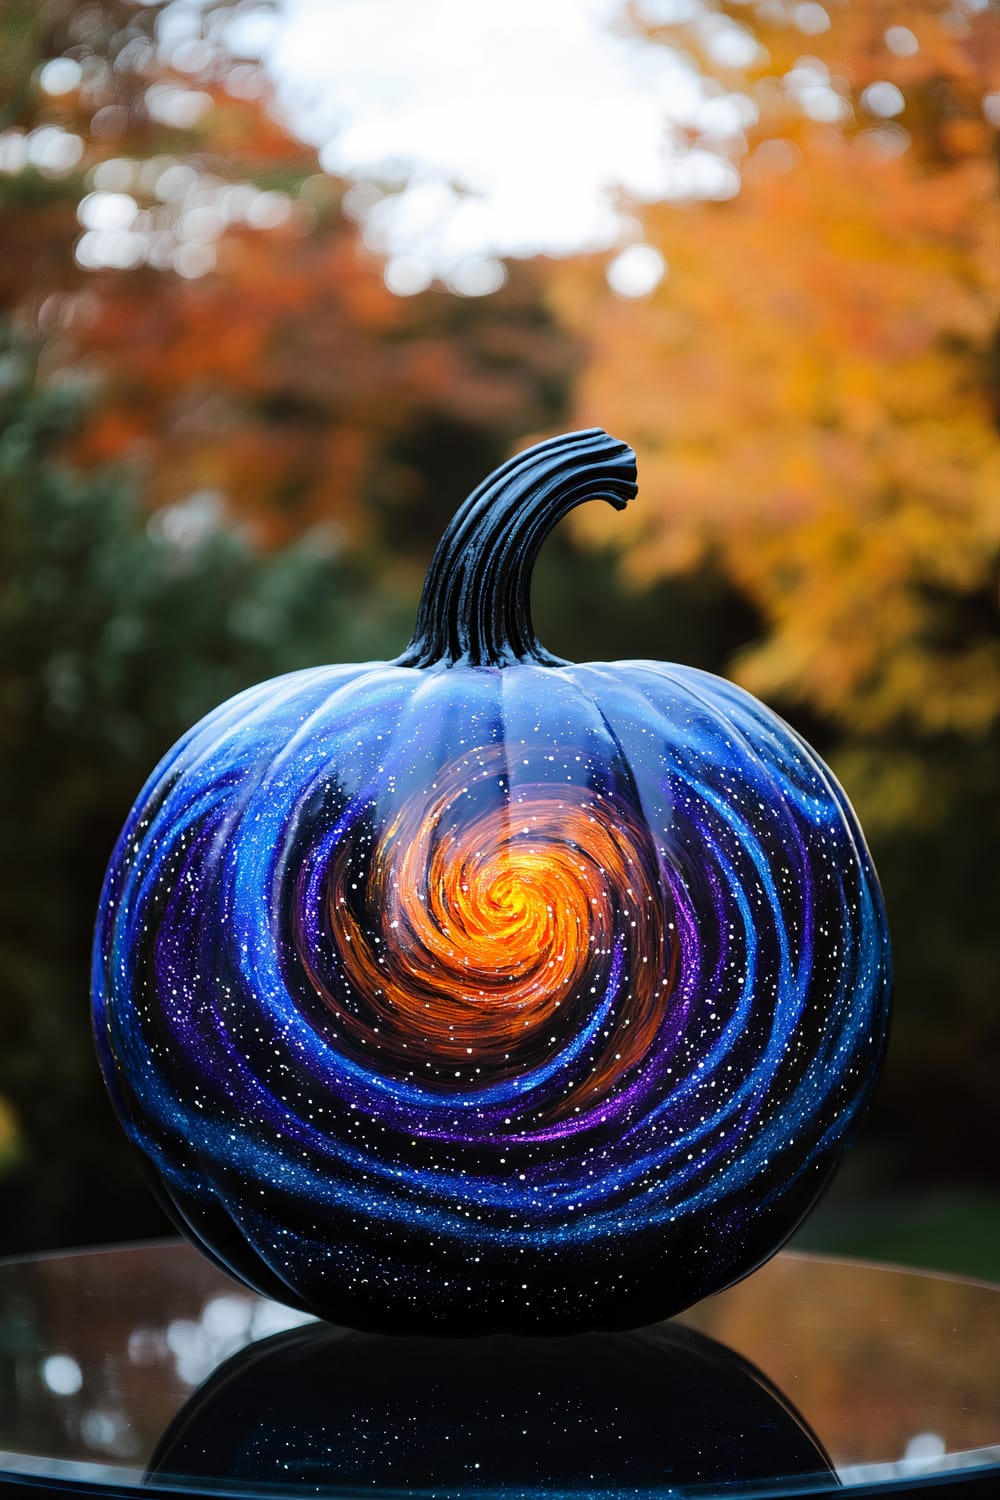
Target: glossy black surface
x=147, y=1367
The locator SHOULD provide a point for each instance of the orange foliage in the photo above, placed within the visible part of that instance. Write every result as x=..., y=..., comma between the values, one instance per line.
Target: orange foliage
x=808, y=387
x=282, y=379
x=278, y=373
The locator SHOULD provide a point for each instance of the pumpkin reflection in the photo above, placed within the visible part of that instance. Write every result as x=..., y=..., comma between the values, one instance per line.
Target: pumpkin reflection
x=662, y=1408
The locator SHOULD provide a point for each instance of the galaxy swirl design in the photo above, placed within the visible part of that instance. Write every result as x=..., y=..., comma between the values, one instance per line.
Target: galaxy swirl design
x=489, y=926
x=545, y=997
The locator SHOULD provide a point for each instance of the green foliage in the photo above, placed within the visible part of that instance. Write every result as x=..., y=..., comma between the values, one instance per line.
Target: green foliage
x=942, y=1230
x=118, y=630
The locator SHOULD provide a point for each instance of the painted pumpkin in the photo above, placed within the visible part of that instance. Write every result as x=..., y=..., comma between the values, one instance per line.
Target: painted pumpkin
x=480, y=990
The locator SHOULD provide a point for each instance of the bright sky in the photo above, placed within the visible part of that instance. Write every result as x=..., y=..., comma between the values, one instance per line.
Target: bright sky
x=473, y=130
x=508, y=127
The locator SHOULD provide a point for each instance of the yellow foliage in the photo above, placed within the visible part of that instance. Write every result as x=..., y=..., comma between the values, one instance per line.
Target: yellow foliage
x=808, y=393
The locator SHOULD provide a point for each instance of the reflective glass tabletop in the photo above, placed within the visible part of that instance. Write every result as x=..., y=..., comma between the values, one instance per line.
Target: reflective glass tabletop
x=146, y=1366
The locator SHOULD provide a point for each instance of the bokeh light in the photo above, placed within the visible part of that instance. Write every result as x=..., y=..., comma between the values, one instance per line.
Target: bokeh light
x=636, y=271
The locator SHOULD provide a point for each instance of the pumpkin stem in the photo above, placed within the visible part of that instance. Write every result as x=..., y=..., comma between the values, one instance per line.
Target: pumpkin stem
x=475, y=609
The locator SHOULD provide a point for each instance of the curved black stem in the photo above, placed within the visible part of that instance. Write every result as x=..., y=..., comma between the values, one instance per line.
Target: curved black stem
x=475, y=608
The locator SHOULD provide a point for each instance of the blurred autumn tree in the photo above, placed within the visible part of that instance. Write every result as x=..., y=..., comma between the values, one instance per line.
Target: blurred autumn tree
x=245, y=341
x=814, y=391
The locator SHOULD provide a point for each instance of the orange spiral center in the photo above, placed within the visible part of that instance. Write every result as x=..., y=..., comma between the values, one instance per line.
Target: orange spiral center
x=490, y=922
